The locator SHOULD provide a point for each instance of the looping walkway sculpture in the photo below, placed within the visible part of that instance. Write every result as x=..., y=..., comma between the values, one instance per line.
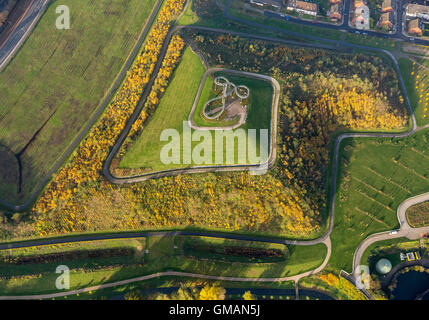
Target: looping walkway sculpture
x=230, y=92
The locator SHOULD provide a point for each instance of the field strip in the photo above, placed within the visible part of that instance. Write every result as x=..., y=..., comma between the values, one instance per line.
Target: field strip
x=373, y=188
x=376, y=201
x=388, y=180
x=409, y=169
x=371, y=216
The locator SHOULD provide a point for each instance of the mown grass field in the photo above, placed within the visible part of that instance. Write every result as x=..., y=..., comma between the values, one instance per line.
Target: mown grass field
x=59, y=77
x=375, y=176
x=416, y=80
x=163, y=253
x=171, y=112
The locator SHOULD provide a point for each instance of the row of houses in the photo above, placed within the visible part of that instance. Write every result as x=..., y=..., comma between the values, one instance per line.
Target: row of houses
x=303, y=7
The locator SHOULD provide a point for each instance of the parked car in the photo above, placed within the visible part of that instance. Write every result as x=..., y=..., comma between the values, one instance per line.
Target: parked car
x=393, y=232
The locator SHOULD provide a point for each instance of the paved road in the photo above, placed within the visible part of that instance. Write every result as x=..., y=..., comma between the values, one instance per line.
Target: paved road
x=21, y=31
x=28, y=204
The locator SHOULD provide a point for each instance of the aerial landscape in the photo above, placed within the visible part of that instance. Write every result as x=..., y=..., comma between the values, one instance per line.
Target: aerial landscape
x=214, y=150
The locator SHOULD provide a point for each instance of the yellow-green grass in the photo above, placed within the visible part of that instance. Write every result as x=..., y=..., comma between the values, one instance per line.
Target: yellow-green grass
x=175, y=106
x=164, y=253
x=375, y=176
x=58, y=79
x=416, y=80
x=418, y=215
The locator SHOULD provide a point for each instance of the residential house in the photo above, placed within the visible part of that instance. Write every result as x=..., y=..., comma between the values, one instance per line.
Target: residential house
x=417, y=11
x=414, y=27
x=386, y=20
x=334, y=12
x=361, y=16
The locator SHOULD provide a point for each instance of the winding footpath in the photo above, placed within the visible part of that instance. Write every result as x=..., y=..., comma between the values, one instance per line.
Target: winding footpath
x=405, y=229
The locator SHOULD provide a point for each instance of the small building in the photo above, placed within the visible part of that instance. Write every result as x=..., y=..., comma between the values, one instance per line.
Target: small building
x=361, y=17
x=332, y=2
x=410, y=256
x=417, y=11
x=386, y=6
x=386, y=20
x=277, y=4
x=303, y=7
x=413, y=27
x=383, y=266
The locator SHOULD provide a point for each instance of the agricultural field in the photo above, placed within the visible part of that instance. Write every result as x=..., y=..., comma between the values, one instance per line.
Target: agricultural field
x=66, y=75
x=376, y=175
x=416, y=77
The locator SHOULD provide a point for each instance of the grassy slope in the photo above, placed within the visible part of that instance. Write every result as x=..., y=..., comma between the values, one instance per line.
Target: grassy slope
x=59, y=77
x=372, y=186
x=161, y=256
x=417, y=83
x=171, y=112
